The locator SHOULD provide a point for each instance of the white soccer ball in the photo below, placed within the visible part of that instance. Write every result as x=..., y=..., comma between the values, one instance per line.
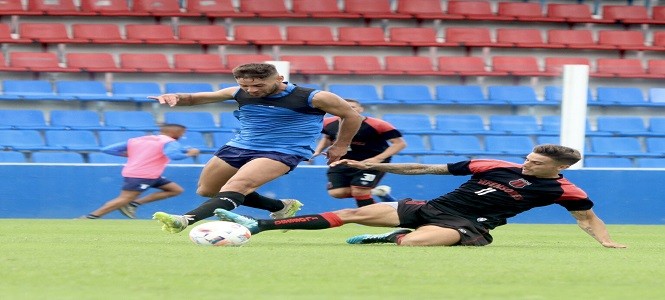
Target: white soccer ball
x=219, y=233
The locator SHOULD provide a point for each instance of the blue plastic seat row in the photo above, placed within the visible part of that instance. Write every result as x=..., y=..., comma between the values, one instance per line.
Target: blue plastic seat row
x=391, y=93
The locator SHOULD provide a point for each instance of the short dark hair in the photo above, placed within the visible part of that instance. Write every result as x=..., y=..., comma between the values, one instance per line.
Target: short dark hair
x=559, y=153
x=255, y=70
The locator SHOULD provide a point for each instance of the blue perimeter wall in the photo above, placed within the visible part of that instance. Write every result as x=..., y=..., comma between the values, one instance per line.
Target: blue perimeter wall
x=69, y=191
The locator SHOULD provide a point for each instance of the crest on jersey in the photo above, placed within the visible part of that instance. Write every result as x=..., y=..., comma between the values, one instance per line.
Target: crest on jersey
x=519, y=183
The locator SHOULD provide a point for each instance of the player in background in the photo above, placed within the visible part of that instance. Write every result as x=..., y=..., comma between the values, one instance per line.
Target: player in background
x=496, y=191
x=376, y=141
x=147, y=157
x=278, y=123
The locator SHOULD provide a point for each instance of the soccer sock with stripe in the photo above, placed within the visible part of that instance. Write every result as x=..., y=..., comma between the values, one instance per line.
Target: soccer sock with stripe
x=256, y=200
x=225, y=200
x=364, y=200
x=307, y=222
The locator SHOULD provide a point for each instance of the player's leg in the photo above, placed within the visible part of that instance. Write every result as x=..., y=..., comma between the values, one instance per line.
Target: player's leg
x=213, y=176
x=361, y=185
x=124, y=198
x=430, y=235
x=168, y=189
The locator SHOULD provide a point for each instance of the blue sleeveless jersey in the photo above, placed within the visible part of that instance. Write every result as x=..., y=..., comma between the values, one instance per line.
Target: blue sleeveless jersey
x=285, y=123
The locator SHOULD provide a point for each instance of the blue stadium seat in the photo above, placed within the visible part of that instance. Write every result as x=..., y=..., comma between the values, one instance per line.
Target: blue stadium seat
x=548, y=139
x=408, y=94
x=103, y=158
x=518, y=159
x=228, y=121
x=117, y=136
x=12, y=157
x=187, y=87
x=650, y=162
x=131, y=120
x=551, y=125
x=75, y=140
x=615, y=146
x=514, y=124
x=456, y=145
x=516, y=95
x=28, y=90
x=460, y=124
x=365, y=93
x=655, y=145
x=57, y=157
x=620, y=96
x=187, y=161
x=621, y=126
x=415, y=145
x=608, y=162
x=657, y=126
x=410, y=123
x=203, y=158
x=403, y=159
x=78, y=119
x=221, y=138
x=136, y=91
x=315, y=86
x=23, y=119
x=193, y=120
x=508, y=145
x=657, y=96
x=85, y=91
x=224, y=85
x=197, y=140
x=461, y=94
x=555, y=94
x=441, y=159
x=24, y=140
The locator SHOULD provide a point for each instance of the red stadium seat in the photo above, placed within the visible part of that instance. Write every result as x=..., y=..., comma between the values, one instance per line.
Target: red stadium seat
x=55, y=7
x=470, y=37
x=314, y=35
x=634, y=14
x=206, y=35
x=616, y=67
x=268, y=9
x=622, y=39
x=363, y=36
x=315, y=64
x=522, y=11
x=261, y=35
x=572, y=13
x=145, y=62
x=517, y=65
x=5, y=67
x=414, y=36
x=658, y=14
x=474, y=10
x=423, y=9
x=106, y=7
x=215, y=8
x=98, y=34
x=410, y=65
x=37, y=62
x=555, y=64
x=234, y=60
x=93, y=62
x=574, y=39
x=373, y=9
x=524, y=38
x=6, y=35
x=321, y=9
x=659, y=39
x=15, y=7
x=465, y=66
x=44, y=32
x=656, y=68
x=159, y=8
x=364, y=65
x=199, y=63
x=152, y=34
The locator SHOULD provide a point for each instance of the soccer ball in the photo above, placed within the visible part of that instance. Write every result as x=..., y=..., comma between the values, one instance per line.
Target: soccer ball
x=219, y=233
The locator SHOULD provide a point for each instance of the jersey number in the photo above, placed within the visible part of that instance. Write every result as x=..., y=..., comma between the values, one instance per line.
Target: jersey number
x=485, y=191
x=368, y=177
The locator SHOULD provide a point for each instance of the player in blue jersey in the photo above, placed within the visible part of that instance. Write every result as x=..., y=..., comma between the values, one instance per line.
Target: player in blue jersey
x=279, y=123
x=496, y=191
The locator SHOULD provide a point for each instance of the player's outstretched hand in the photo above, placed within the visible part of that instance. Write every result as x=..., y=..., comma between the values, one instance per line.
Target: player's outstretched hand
x=351, y=163
x=170, y=99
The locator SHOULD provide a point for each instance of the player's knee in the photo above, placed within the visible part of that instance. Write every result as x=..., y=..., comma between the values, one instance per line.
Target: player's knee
x=206, y=192
x=339, y=193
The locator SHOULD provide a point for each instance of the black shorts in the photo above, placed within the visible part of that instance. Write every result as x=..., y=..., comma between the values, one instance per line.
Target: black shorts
x=414, y=214
x=344, y=176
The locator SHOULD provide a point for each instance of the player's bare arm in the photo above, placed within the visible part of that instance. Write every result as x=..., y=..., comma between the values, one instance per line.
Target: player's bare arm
x=404, y=169
x=324, y=143
x=196, y=98
x=349, y=122
x=595, y=227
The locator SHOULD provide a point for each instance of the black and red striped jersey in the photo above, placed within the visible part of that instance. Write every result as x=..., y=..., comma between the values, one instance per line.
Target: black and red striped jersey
x=498, y=190
x=371, y=139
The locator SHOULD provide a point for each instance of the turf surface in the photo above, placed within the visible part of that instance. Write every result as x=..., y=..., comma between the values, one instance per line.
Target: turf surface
x=133, y=259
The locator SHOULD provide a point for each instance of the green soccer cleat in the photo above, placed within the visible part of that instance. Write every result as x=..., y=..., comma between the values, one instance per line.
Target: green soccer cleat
x=291, y=207
x=228, y=216
x=129, y=211
x=376, y=238
x=171, y=223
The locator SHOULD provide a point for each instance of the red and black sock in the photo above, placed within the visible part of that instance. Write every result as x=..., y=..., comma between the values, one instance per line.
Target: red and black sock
x=364, y=200
x=306, y=222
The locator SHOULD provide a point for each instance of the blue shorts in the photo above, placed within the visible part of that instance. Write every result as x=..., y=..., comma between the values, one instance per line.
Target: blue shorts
x=238, y=157
x=142, y=184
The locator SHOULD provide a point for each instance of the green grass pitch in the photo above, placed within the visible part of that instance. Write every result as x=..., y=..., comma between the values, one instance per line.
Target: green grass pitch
x=134, y=259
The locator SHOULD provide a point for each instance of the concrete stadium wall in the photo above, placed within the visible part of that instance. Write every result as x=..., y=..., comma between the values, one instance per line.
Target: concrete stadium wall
x=69, y=191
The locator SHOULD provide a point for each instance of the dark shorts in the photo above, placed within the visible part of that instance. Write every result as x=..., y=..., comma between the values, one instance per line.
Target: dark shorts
x=237, y=157
x=344, y=176
x=142, y=184
x=414, y=214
